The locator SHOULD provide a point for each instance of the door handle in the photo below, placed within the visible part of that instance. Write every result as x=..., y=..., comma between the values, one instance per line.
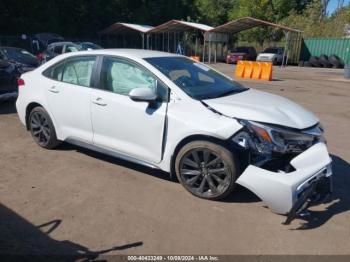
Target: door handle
x=53, y=89
x=99, y=101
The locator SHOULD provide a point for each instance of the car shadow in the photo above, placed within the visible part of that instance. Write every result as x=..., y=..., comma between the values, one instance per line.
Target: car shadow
x=20, y=240
x=117, y=161
x=337, y=203
x=241, y=194
x=7, y=107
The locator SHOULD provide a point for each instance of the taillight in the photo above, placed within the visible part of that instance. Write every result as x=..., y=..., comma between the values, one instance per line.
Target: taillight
x=40, y=56
x=20, y=82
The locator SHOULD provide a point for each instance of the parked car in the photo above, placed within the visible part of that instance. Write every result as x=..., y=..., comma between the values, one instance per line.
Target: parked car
x=58, y=48
x=42, y=40
x=8, y=80
x=88, y=46
x=13, y=62
x=271, y=54
x=24, y=60
x=170, y=112
x=241, y=53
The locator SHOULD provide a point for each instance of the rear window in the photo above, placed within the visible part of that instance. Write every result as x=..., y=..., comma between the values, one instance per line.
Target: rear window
x=58, y=49
x=241, y=50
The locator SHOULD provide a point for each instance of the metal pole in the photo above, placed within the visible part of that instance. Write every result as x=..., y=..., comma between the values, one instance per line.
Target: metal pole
x=203, y=59
x=143, y=40
x=209, y=46
x=156, y=41
x=216, y=46
x=147, y=40
x=195, y=49
x=174, y=42
x=168, y=42
x=163, y=43
x=286, y=34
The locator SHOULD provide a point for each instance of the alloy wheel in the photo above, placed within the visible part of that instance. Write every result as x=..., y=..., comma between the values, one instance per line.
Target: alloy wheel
x=40, y=128
x=204, y=173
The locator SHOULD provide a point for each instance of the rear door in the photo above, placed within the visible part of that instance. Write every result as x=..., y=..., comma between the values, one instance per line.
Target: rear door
x=68, y=93
x=121, y=124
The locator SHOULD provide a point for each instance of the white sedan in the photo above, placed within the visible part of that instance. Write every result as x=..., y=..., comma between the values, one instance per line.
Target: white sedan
x=169, y=112
x=271, y=54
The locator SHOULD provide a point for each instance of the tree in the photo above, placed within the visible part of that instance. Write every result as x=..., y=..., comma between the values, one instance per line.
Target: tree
x=313, y=23
x=269, y=10
x=213, y=12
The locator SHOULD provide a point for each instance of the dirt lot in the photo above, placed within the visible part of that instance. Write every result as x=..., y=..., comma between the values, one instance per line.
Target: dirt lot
x=72, y=200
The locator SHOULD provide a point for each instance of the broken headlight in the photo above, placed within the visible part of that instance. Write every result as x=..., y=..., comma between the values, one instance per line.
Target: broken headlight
x=266, y=139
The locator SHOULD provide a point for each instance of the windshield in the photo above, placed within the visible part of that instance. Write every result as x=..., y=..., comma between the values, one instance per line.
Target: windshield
x=273, y=50
x=241, y=50
x=196, y=79
x=72, y=48
x=86, y=46
x=16, y=53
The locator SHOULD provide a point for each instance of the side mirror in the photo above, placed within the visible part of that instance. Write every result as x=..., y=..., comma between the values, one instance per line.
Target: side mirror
x=143, y=94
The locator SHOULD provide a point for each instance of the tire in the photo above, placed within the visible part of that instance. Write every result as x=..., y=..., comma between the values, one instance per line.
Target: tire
x=42, y=128
x=336, y=61
x=207, y=170
x=324, y=61
x=315, y=61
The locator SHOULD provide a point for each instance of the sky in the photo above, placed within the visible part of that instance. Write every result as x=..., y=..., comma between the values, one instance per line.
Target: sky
x=333, y=5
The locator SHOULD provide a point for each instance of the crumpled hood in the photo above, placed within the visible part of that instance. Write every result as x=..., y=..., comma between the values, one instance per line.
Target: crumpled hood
x=263, y=107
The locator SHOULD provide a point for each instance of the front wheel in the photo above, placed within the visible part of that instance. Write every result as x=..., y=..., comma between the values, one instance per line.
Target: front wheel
x=206, y=170
x=42, y=128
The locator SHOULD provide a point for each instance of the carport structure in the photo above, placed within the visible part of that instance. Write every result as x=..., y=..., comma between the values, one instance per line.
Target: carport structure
x=173, y=31
x=126, y=31
x=293, y=36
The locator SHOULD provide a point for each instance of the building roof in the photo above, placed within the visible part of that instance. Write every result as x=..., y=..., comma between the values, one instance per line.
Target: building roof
x=126, y=28
x=179, y=26
x=246, y=23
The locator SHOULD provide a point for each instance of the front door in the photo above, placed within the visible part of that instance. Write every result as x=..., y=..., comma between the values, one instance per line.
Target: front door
x=121, y=124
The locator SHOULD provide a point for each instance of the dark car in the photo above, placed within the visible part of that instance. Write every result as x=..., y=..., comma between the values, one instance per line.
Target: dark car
x=241, y=53
x=8, y=80
x=58, y=48
x=24, y=60
x=88, y=46
x=13, y=62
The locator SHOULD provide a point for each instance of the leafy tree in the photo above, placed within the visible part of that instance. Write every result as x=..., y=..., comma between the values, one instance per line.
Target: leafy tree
x=213, y=12
x=269, y=10
x=313, y=23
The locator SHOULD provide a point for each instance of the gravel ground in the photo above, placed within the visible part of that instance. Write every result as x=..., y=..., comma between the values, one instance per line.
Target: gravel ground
x=74, y=201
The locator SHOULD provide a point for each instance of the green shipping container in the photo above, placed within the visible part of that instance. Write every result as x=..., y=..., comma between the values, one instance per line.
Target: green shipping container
x=326, y=46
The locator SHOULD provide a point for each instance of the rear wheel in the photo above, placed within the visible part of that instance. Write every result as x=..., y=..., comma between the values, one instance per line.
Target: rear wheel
x=206, y=170
x=42, y=128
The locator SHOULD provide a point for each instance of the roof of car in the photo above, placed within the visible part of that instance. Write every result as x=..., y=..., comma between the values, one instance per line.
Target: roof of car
x=134, y=53
x=61, y=43
x=11, y=47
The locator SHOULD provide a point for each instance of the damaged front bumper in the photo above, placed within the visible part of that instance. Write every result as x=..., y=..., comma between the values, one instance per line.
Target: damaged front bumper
x=287, y=193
